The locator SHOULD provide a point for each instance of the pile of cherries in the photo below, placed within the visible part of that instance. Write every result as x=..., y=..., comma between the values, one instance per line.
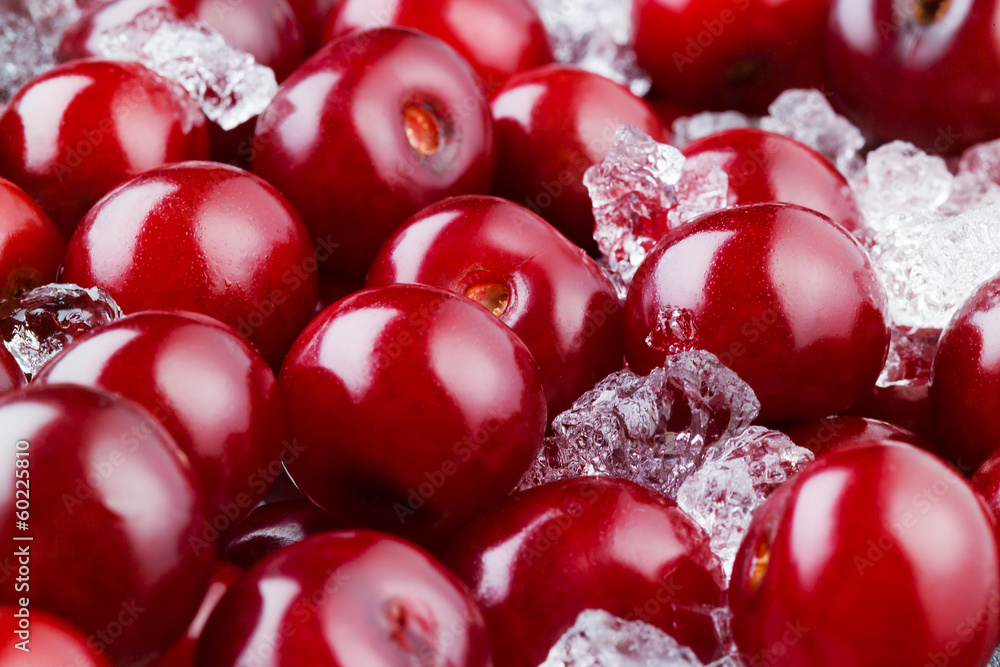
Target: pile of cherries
x=350, y=321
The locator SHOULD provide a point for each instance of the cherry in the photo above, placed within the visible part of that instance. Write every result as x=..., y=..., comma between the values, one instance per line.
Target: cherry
x=987, y=482
x=182, y=653
x=210, y=388
x=498, y=37
x=33, y=638
x=823, y=435
x=779, y=293
x=31, y=247
x=11, y=375
x=425, y=133
x=537, y=560
x=554, y=297
x=349, y=598
x=730, y=54
x=111, y=508
x=415, y=409
x=767, y=167
x=876, y=554
x=72, y=134
x=271, y=527
x=311, y=15
x=552, y=124
x=182, y=237
x=893, y=67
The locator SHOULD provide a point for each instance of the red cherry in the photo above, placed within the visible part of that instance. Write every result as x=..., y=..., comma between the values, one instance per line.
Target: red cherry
x=182, y=653
x=271, y=527
x=543, y=556
x=729, y=54
x=767, y=167
x=987, y=482
x=780, y=294
x=210, y=388
x=311, y=15
x=498, y=37
x=112, y=509
x=876, y=554
x=554, y=297
x=71, y=135
x=11, y=375
x=46, y=641
x=552, y=124
x=202, y=237
x=423, y=133
x=892, y=66
x=350, y=598
x=415, y=409
x=823, y=435
x=31, y=247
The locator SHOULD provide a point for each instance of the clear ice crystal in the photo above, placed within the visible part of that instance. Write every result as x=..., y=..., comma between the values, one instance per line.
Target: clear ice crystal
x=37, y=325
x=995, y=659
x=30, y=31
x=982, y=162
x=600, y=639
x=689, y=128
x=229, y=85
x=595, y=35
x=911, y=353
x=903, y=186
x=736, y=477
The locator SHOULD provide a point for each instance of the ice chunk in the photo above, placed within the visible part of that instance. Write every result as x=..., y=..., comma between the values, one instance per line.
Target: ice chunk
x=737, y=476
x=911, y=353
x=38, y=324
x=995, y=660
x=904, y=186
x=982, y=162
x=228, y=84
x=676, y=331
x=30, y=31
x=595, y=35
x=689, y=128
x=599, y=639
x=652, y=429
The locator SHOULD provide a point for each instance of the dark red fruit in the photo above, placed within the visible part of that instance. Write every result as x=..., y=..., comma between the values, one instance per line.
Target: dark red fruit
x=554, y=297
x=311, y=15
x=35, y=639
x=781, y=295
x=272, y=527
x=987, y=482
x=425, y=133
x=11, y=375
x=350, y=598
x=31, y=247
x=552, y=124
x=877, y=554
x=415, y=409
x=823, y=435
x=207, y=238
x=72, y=134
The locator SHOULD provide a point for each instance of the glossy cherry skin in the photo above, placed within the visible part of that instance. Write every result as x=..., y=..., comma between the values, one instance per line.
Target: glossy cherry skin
x=182, y=653
x=499, y=38
x=344, y=599
x=31, y=247
x=210, y=388
x=965, y=378
x=552, y=124
x=892, y=67
x=415, y=409
x=311, y=15
x=72, y=134
x=823, y=435
x=113, y=507
x=207, y=238
x=876, y=554
x=50, y=641
x=767, y=167
x=782, y=295
x=987, y=482
x=730, y=54
x=545, y=288
x=537, y=560
x=271, y=527
x=11, y=375
x=407, y=121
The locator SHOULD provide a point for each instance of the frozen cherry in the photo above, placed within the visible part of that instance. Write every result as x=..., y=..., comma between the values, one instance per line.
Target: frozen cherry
x=415, y=409
x=111, y=506
x=552, y=124
x=543, y=556
x=779, y=293
x=33, y=638
x=767, y=167
x=350, y=598
x=210, y=388
x=203, y=237
x=373, y=128
x=274, y=526
x=72, y=134
x=823, y=435
x=31, y=247
x=876, y=554
x=554, y=297
x=498, y=37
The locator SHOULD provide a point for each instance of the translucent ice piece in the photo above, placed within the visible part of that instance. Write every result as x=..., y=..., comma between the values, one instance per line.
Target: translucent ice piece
x=652, y=429
x=38, y=324
x=982, y=162
x=995, y=660
x=737, y=476
x=599, y=639
x=595, y=35
x=689, y=128
x=228, y=84
x=911, y=353
x=903, y=186
x=27, y=52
